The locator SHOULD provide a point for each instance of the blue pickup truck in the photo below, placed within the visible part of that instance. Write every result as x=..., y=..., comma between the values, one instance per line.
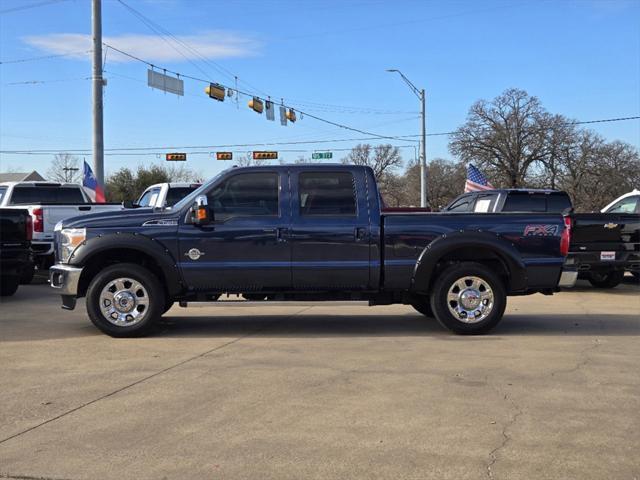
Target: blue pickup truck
x=304, y=233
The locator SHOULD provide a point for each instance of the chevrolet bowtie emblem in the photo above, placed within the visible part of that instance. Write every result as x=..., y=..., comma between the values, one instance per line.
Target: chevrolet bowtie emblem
x=610, y=225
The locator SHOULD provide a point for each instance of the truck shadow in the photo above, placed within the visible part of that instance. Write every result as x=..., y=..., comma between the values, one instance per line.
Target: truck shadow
x=392, y=325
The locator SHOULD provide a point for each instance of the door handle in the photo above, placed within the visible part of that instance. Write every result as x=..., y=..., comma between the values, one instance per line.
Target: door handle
x=282, y=234
x=360, y=234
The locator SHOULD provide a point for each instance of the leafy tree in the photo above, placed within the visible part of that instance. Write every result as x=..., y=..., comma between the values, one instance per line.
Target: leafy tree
x=126, y=185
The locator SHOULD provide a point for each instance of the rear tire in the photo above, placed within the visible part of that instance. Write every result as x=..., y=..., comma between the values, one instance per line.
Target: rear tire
x=610, y=279
x=9, y=285
x=125, y=300
x=468, y=299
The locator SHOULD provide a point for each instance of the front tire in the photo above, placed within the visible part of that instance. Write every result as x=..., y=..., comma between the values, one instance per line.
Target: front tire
x=610, y=279
x=423, y=306
x=125, y=300
x=468, y=299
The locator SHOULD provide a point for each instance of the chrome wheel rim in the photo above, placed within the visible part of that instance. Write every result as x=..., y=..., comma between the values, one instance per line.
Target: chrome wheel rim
x=470, y=299
x=124, y=302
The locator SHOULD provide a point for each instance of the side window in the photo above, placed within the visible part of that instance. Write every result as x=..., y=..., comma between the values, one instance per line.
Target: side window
x=327, y=193
x=245, y=195
x=484, y=203
x=461, y=205
x=3, y=191
x=149, y=197
x=626, y=205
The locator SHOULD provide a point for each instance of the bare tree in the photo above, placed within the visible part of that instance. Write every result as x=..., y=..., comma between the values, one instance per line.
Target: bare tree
x=504, y=137
x=383, y=159
x=247, y=160
x=65, y=168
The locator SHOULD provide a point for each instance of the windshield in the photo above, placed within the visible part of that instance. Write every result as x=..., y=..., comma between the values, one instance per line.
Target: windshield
x=189, y=199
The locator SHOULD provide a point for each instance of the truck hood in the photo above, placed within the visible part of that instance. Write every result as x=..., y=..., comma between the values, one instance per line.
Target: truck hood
x=121, y=218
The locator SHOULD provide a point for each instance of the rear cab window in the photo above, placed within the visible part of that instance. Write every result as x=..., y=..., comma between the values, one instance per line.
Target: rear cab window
x=327, y=194
x=524, y=202
x=27, y=195
x=175, y=194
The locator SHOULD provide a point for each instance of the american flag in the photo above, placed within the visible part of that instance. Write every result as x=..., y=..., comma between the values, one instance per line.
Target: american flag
x=476, y=181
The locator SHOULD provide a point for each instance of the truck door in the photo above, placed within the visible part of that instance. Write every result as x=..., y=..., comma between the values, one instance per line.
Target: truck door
x=244, y=249
x=330, y=230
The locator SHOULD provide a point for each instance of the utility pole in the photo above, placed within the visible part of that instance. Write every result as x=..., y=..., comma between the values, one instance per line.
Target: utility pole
x=423, y=153
x=423, y=143
x=69, y=172
x=98, y=84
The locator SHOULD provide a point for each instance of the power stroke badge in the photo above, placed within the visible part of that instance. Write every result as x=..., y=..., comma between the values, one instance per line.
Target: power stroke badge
x=194, y=254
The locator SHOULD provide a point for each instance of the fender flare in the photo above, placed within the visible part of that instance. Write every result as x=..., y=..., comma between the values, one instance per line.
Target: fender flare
x=92, y=247
x=448, y=242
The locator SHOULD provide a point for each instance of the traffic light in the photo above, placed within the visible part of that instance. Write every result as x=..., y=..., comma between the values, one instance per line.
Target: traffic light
x=176, y=157
x=215, y=91
x=256, y=104
x=224, y=156
x=265, y=155
x=291, y=115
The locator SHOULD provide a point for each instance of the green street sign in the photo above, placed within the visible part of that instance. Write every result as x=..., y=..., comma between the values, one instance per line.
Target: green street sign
x=321, y=155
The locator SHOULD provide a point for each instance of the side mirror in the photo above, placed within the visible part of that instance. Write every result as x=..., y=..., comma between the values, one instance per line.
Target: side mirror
x=200, y=211
x=129, y=204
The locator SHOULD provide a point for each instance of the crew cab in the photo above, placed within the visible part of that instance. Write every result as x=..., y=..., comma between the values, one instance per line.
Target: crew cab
x=48, y=203
x=603, y=245
x=162, y=195
x=304, y=232
x=16, y=260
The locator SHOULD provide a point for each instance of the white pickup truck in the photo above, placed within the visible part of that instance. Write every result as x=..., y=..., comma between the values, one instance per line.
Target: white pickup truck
x=163, y=195
x=48, y=203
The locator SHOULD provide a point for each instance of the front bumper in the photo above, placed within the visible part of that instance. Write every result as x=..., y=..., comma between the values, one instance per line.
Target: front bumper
x=568, y=278
x=65, y=279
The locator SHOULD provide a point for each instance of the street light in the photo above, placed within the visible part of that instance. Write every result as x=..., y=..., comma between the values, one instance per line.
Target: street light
x=423, y=154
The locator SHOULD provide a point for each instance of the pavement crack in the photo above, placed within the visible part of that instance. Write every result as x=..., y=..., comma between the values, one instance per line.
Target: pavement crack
x=149, y=377
x=28, y=477
x=506, y=437
x=586, y=358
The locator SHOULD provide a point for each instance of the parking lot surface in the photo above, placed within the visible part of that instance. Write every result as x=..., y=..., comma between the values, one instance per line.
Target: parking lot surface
x=330, y=391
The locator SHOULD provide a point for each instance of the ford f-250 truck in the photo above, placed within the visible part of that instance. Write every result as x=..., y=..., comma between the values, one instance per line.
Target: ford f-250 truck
x=304, y=232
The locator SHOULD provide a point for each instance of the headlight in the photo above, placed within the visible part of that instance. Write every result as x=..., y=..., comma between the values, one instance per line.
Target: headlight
x=67, y=241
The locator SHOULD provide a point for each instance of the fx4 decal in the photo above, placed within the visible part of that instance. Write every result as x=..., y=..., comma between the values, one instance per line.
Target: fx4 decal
x=540, y=230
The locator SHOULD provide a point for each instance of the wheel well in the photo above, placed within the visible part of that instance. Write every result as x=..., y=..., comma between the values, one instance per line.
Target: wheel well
x=482, y=255
x=103, y=259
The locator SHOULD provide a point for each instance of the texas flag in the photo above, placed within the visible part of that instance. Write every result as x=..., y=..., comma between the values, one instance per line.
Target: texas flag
x=91, y=185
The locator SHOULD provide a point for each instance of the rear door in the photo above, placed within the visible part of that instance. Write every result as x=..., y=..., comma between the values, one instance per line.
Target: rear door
x=330, y=230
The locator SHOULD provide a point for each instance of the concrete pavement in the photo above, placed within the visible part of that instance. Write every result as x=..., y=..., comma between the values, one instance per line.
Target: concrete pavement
x=326, y=392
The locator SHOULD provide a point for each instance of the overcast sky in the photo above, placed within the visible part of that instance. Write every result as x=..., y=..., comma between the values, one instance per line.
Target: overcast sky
x=581, y=58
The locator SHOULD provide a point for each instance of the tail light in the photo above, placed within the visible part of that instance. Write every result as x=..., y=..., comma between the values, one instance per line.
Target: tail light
x=565, y=239
x=38, y=220
x=29, y=227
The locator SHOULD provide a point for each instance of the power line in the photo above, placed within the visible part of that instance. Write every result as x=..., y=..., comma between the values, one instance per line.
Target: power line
x=41, y=82
x=45, y=57
x=269, y=144
x=32, y=5
x=250, y=95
